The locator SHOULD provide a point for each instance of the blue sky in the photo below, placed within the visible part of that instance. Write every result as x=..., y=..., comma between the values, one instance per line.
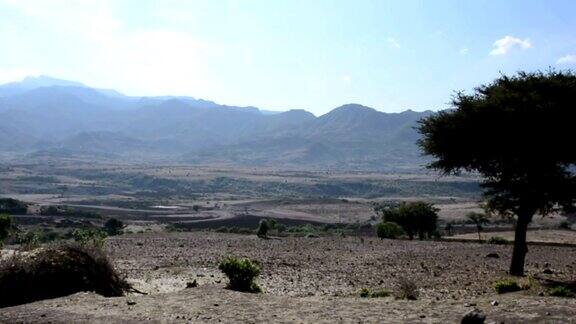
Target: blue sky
x=278, y=55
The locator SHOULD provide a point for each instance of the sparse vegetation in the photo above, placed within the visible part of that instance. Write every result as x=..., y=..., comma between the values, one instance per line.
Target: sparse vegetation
x=89, y=237
x=506, y=286
x=67, y=212
x=241, y=274
x=388, y=230
x=561, y=291
x=13, y=206
x=57, y=271
x=366, y=293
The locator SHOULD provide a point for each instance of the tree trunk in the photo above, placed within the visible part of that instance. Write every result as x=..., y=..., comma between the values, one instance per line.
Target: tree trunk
x=520, y=246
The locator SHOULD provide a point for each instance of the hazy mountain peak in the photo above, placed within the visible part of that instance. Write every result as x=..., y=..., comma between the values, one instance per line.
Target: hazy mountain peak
x=353, y=107
x=47, y=81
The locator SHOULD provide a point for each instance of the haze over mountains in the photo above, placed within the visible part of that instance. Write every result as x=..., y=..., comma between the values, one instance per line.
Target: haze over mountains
x=46, y=117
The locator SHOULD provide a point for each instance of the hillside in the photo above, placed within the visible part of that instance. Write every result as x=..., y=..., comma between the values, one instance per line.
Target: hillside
x=57, y=117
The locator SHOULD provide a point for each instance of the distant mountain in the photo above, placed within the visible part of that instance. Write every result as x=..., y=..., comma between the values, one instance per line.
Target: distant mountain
x=43, y=116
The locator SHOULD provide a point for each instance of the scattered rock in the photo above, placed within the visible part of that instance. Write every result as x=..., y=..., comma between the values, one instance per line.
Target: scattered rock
x=547, y=271
x=130, y=302
x=494, y=303
x=469, y=304
x=474, y=316
x=493, y=255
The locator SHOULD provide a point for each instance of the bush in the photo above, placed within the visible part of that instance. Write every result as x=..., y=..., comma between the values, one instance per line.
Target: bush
x=113, y=227
x=497, y=240
x=506, y=286
x=388, y=230
x=55, y=272
x=366, y=293
x=5, y=224
x=565, y=225
x=241, y=273
x=415, y=218
x=407, y=289
x=561, y=291
x=89, y=237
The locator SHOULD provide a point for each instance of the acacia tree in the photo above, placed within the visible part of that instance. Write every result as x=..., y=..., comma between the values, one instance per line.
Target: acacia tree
x=478, y=219
x=517, y=133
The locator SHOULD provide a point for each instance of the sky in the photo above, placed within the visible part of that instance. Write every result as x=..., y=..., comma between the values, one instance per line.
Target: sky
x=287, y=54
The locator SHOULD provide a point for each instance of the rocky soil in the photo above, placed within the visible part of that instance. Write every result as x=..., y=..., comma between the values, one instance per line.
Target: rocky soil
x=315, y=280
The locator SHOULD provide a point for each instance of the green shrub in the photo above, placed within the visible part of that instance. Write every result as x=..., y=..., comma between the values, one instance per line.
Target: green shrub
x=57, y=271
x=497, y=240
x=113, y=227
x=89, y=237
x=388, y=230
x=365, y=293
x=506, y=286
x=5, y=224
x=241, y=273
x=561, y=291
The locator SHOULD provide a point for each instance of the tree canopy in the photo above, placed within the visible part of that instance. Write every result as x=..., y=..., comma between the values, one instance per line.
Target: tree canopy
x=517, y=133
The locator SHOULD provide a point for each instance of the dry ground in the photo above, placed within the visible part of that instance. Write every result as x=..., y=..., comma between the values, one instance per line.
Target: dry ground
x=539, y=236
x=313, y=280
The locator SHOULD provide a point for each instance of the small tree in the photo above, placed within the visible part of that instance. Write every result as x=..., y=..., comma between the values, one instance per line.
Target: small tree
x=518, y=133
x=113, y=227
x=478, y=219
x=264, y=226
x=5, y=224
x=415, y=218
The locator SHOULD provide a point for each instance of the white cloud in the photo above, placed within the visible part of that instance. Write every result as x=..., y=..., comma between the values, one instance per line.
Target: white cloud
x=346, y=79
x=463, y=51
x=393, y=42
x=136, y=61
x=567, y=59
x=507, y=43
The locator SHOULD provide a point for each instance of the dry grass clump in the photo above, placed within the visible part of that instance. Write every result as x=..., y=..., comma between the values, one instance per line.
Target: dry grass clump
x=407, y=289
x=58, y=271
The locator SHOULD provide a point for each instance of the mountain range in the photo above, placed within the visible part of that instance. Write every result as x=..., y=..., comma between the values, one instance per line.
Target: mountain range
x=47, y=117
